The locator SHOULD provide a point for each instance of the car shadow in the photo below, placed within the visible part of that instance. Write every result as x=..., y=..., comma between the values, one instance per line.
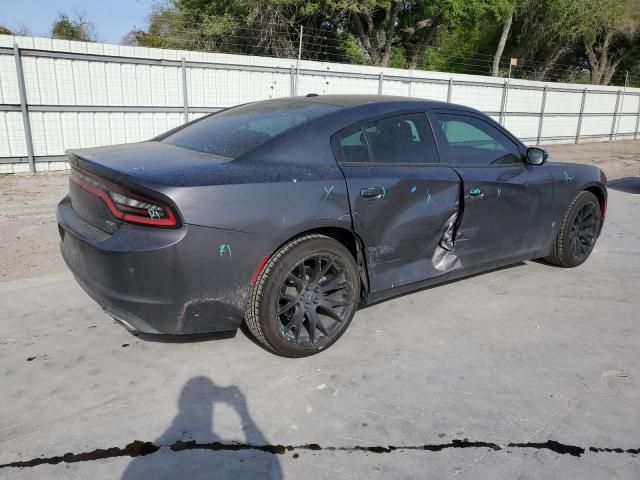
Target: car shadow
x=626, y=184
x=204, y=458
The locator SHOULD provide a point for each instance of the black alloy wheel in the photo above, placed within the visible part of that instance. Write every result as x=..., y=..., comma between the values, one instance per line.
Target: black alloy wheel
x=584, y=231
x=305, y=296
x=314, y=300
x=578, y=231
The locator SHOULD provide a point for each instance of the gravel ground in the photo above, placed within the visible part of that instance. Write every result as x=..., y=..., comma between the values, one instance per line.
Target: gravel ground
x=28, y=232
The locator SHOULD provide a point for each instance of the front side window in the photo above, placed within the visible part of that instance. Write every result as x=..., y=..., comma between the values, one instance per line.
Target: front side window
x=470, y=140
x=236, y=131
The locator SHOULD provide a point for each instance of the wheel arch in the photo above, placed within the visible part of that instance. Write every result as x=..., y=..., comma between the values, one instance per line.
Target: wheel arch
x=349, y=239
x=600, y=194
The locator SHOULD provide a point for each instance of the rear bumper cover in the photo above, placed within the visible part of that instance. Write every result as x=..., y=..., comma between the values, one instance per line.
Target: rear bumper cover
x=173, y=281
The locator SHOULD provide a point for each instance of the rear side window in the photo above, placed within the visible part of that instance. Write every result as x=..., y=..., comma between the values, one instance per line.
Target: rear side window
x=399, y=139
x=234, y=132
x=353, y=147
x=469, y=140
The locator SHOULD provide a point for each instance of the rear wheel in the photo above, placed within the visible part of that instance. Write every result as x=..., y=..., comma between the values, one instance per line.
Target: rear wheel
x=305, y=296
x=578, y=232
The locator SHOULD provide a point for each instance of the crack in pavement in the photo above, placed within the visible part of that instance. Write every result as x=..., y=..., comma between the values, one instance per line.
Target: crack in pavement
x=138, y=448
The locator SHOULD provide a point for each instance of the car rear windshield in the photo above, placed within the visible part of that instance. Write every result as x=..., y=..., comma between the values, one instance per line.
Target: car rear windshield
x=236, y=131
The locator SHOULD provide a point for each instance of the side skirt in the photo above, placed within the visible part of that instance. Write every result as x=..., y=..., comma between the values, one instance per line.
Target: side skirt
x=376, y=297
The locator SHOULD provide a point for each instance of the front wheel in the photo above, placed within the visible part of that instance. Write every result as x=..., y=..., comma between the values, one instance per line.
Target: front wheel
x=304, y=297
x=578, y=231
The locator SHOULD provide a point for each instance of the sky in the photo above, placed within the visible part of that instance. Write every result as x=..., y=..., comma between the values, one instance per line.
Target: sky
x=113, y=19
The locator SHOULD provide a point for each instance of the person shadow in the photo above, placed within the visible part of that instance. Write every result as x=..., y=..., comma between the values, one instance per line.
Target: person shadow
x=197, y=455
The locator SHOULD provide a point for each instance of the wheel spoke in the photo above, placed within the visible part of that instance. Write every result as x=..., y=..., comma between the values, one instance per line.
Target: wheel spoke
x=318, y=323
x=333, y=286
x=325, y=269
x=297, y=280
x=295, y=322
x=312, y=326
x=331, y=312
x=291, y=302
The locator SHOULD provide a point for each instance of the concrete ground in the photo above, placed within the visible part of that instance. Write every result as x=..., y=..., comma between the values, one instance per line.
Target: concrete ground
x=526, y=372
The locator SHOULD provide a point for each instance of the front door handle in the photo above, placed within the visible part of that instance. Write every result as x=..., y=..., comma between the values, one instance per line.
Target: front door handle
x=372, y=192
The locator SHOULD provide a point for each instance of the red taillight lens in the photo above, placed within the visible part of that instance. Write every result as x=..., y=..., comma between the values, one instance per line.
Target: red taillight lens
x=125, y=205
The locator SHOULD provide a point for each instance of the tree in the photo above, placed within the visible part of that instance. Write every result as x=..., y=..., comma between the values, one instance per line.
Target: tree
x=423, y=20
x=258, y=27
x=611, y=35
x=506, y=28
x=79, y=29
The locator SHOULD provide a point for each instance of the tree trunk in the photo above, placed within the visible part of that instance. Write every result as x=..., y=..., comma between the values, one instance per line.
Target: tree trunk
x=611, y=70
x=365, y=37
x=503, y=41
x=416, y=44
x=541, y=75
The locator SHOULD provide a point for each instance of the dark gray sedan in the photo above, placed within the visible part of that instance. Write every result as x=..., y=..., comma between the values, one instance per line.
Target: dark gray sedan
x=291, y=213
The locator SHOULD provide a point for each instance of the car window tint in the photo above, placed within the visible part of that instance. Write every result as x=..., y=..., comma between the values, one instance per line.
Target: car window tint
x=236, y=131
x=354, y=147
x=401, y=139
x=470, y=140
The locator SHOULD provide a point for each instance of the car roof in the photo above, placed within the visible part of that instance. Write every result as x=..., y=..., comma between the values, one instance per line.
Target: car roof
x=355, y=100
x=348, y=101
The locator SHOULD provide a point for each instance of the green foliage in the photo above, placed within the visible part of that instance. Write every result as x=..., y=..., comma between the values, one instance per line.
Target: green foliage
x=463, y=49
x=553, y=39
x=79, y=29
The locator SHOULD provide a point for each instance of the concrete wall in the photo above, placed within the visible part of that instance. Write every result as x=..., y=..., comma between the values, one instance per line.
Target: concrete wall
x=87, y=94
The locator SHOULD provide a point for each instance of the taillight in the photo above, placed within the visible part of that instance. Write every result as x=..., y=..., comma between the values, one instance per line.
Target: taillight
x=125, y=205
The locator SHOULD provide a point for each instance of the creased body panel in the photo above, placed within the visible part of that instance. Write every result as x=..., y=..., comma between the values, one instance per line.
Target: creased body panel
x=403, y=229
x=507, y=211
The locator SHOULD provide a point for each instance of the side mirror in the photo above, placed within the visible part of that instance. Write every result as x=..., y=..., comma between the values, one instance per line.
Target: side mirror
x=536, y=156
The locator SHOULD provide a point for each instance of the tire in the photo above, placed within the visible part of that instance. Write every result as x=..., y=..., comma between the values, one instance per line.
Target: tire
x=312, y=273
x=566, y=254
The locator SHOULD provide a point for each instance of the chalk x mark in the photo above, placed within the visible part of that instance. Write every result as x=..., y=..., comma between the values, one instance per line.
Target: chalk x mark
x=224, y=249
x=327, y=192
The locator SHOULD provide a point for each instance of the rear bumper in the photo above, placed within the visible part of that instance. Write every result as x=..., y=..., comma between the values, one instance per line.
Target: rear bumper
x=171, y=281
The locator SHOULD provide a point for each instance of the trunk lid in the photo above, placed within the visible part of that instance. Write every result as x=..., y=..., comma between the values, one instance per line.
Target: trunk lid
x=145, y=172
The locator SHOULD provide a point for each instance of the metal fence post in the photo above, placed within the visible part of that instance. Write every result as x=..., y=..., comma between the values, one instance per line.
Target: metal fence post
x=542, y=108
x=450, y=90
x=292, y=77
x=380, y=81
x=615, y=117
x=24, y=107
x=584, y=101
x=503, y=105
x=185, y=95
x=635, y=135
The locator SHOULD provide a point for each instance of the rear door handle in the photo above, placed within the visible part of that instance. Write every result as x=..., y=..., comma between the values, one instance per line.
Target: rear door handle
x=372, y=192
x=476, y=192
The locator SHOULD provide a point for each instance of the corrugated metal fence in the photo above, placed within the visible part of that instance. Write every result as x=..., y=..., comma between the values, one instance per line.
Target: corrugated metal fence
x=56, y=95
